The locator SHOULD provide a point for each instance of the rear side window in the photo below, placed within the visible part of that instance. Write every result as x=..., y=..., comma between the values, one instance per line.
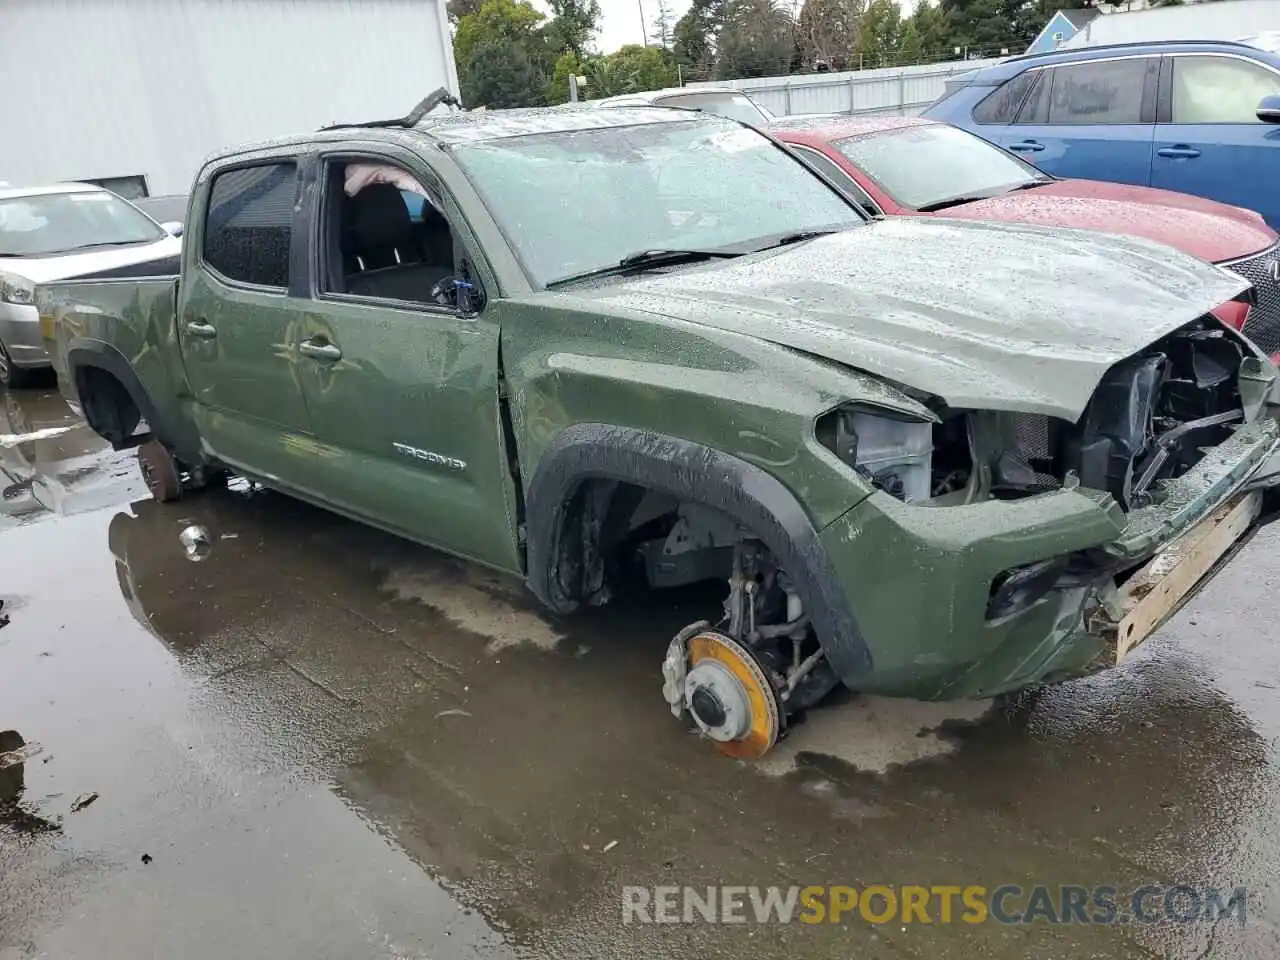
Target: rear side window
x=1001, y=105
x=1105, y=91
x=249, y=224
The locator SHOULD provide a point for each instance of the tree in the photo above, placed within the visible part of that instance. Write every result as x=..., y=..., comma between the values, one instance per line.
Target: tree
x=461, y=8
x=930, y=24
x=513, y=20
x=694, y=38
x=517, y=62
x=572, y=26
x=985, y=27
x=558, y=85
x=500, y=73
x=879, y=34
x=827, y=33
x=662, y=27
x=630, y=69
x=910, y=47
x=756, y=39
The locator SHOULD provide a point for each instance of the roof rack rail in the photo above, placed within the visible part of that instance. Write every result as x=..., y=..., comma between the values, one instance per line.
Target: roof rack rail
x=1115, y=46
x=410, y=119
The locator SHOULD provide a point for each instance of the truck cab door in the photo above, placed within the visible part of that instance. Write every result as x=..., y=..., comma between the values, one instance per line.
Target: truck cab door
x=1209, y=140
x=1093, y=120
x=399, y=362
x=239, y=320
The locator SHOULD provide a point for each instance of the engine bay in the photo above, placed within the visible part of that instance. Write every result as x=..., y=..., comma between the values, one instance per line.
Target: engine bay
x=1150, y=419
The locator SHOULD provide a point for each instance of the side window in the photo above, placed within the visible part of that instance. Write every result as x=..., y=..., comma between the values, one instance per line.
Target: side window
x=1220, y=89
x=1001, y=105
x=845, y=183
x=385, y=238
x=1036, y=107
x=249, y=224
x=1105, y=91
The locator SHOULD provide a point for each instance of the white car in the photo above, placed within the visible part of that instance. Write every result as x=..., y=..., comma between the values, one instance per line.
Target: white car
x=722, y=101
x=62, y=232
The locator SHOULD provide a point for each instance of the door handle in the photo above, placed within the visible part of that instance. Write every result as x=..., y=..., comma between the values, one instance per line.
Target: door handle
x=1027, y=146
x=1178, y=150
x=319, y=349
x=202, y=329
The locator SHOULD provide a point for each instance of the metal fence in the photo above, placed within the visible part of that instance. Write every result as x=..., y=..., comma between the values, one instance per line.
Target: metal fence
x=904, y=91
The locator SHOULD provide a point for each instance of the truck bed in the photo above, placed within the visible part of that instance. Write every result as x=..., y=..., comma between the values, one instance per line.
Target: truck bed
x=127, y=326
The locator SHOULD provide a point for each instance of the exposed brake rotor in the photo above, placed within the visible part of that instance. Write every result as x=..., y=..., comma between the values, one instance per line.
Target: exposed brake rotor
x=730, y=696
x=159, y=471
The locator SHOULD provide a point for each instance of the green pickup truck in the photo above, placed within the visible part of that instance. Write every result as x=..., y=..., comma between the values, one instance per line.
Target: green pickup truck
x=634, y=349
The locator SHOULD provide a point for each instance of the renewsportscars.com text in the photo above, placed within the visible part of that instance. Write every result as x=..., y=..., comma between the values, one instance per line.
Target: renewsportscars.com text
x=907, y=904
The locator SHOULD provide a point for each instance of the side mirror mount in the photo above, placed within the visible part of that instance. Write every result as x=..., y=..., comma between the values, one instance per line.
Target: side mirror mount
x=173, y=228
x=463, y=295
x=1269, y=109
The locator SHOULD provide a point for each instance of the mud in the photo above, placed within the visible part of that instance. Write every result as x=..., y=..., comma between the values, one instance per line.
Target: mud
x=321, y=741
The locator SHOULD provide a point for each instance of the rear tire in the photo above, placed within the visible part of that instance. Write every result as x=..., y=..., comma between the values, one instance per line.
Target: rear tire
x=12, y=377
x=159, y=471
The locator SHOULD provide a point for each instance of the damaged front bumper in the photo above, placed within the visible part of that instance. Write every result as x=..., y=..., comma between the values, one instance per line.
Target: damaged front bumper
x=919, y=579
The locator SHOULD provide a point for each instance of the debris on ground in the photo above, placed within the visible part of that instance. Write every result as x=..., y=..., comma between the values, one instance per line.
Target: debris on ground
x=196, y=542
x=146, y=858
x=609, y=846
x=19, y=754
x=82, y=801
x=454, y=712
x=14, y=752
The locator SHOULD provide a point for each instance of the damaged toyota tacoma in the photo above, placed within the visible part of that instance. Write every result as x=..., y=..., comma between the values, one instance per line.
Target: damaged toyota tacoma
x=636, y=349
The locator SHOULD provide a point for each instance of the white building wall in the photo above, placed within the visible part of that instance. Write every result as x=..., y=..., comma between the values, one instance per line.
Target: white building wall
x=110, y=88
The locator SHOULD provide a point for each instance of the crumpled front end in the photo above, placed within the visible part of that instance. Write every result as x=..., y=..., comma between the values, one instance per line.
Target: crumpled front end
x=1035, y=544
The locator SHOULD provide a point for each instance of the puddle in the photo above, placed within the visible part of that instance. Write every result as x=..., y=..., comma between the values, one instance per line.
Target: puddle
x=13, y=439
x=473, y=608
x=873, y=734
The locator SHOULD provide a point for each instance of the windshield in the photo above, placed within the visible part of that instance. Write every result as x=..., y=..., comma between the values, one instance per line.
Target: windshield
x=52, y=223
x=923, y=165
x=575, y=201
x=735, y=106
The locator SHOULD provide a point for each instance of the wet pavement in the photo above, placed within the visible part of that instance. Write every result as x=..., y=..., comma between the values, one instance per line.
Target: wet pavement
x=322, y=741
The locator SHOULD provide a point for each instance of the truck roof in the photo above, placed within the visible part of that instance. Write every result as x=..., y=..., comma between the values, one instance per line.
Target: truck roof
x=473, y=126
x=479, y=125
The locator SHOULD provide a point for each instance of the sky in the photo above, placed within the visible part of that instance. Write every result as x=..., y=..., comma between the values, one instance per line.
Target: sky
x=620, y=20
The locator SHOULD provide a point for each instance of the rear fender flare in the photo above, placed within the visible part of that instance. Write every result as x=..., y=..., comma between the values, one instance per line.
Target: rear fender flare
x=693, y=472
x=86, y=353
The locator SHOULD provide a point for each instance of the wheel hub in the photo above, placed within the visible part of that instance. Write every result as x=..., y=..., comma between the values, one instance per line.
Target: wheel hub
x=728, y=694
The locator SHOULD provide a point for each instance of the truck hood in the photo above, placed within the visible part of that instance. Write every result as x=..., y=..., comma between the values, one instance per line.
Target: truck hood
x=987, y=316
x=67, y=266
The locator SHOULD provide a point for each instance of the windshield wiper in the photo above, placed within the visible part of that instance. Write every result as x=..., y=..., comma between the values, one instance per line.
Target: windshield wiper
x=104, y=243
x=643, y=259
x=983, y=195
x=791, y=238
x=953, y=201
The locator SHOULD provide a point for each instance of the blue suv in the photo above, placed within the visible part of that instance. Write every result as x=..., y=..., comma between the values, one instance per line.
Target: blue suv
x=1199, y=117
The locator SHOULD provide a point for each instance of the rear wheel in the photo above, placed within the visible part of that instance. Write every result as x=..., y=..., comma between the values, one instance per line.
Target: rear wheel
x=159, y=471
x=14, y=376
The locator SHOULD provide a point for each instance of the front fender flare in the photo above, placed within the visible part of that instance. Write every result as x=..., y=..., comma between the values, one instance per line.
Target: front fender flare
x=693, y=472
